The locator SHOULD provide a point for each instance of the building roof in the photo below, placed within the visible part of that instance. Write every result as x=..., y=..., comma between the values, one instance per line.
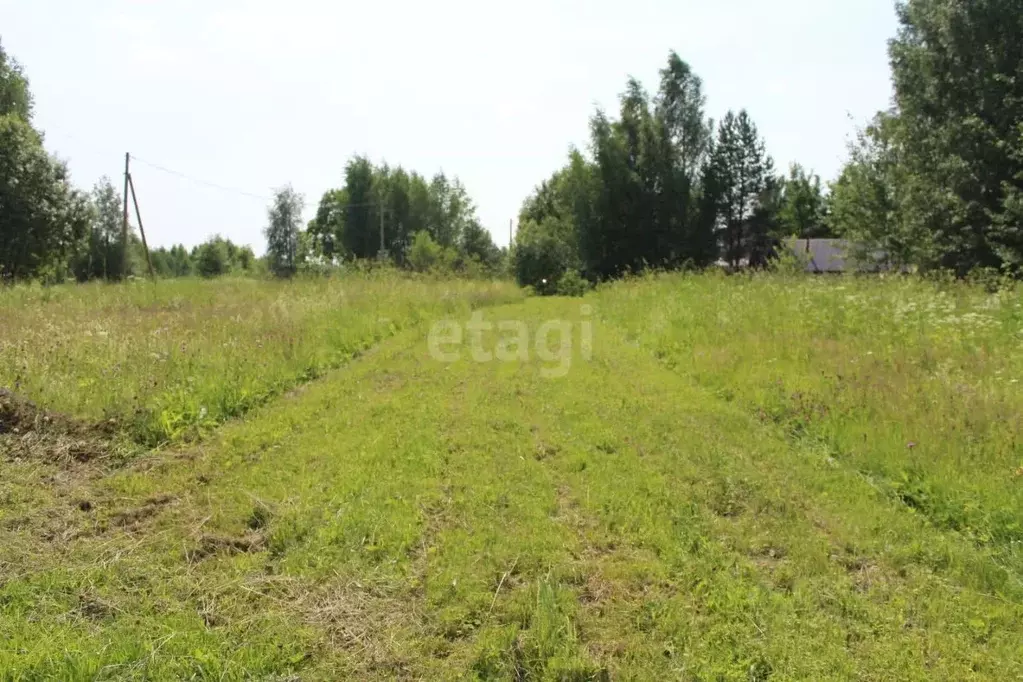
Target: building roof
x=832, y=255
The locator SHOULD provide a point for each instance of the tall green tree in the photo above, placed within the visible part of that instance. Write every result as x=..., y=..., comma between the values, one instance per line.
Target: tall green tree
x=43, y=219
x=959, y=99
x=173, y=262
x=325, y=230
x=763, y=231
x=102, y=254
x=478, y=245
x=543, y=253
x=360, y=235
x=284, y=223
x=348, y=221
x=560, y=226
x=15, y=96
x=740, y=170
x=681, y=106
x=871, y=204
x=212, y=258
x=803, y=208
x=685, y=137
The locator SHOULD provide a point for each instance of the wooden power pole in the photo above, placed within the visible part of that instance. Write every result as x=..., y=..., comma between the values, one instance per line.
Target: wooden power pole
x=129, y=185
x=124, y=224
x=142, y=230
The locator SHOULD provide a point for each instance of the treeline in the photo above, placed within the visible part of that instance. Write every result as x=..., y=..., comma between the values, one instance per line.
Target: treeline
x=937, y=180
x=215, y=257
x=663, y=187
x=51, y=231
x=388, y=212
x=934, y=183
x=100, y=254
x=44, y=221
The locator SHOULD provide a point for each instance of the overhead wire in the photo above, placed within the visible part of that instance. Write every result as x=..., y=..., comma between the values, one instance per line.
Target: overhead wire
x=225, y=188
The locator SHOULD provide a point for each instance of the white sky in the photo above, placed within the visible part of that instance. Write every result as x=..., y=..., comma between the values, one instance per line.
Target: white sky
x=256, y=94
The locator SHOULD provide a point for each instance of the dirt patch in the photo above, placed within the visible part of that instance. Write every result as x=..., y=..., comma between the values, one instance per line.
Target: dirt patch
x=149, y=509
x=210, y=545
x=864, y=571
x=92, y=607
x=29, y=432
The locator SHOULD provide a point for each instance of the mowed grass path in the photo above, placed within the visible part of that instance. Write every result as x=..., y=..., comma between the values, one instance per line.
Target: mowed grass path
x=404, y=518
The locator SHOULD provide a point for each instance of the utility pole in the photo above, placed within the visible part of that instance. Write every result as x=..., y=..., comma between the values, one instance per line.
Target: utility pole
x=129, y=185
x=142, y=230
x=381, y=230
x=511, y=232
x=124, y=224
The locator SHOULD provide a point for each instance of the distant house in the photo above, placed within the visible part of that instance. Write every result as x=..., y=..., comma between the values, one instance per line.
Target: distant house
x=834, y=255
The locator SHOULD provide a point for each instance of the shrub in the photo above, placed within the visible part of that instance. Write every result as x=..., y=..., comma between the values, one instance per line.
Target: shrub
x=425, y=253
x=572, y=284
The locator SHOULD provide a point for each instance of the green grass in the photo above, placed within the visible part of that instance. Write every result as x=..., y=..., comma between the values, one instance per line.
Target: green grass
x=697, y=501
x=914, y=386
x=170, y=361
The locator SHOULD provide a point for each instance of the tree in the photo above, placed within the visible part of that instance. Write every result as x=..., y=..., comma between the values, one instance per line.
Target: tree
x=349, y=220
x=15, y=96
x=212, y=258
x=451, y=210
x=680, y=107
x=180, y=262
x=285, y=218
x=762, y=231
x=871, y=203
x=959, y=101
x=43, y=219
x=604, y=241
x=360, y=235
x=543, y=253
x=424, y=254
x=685, y=139
x=173, y=262
x=478, y=245
x=740, y=172
x=565, y=206
x=102, y=254
x=325, y=230
x=802, y=212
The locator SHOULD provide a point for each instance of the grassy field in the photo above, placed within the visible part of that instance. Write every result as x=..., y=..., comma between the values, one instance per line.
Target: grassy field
x=169, y=362
x=744, y=479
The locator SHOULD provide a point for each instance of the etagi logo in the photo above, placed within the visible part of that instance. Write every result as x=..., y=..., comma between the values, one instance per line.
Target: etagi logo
x=552, y=342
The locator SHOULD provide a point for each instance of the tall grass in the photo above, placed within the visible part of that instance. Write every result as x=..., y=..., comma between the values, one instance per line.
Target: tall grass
x=914, y=384
x=167, y=361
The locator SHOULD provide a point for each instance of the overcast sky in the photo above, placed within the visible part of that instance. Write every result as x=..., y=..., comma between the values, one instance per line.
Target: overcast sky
x=254, y=94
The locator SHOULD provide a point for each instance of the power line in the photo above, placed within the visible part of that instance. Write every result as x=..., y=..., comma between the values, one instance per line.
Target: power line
x=225, y=188
x=207, y=183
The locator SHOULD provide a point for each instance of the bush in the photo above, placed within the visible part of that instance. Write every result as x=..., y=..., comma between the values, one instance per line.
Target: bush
x=572, y=284
x=212, y=260
x=542, y=257
x=425, y=254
